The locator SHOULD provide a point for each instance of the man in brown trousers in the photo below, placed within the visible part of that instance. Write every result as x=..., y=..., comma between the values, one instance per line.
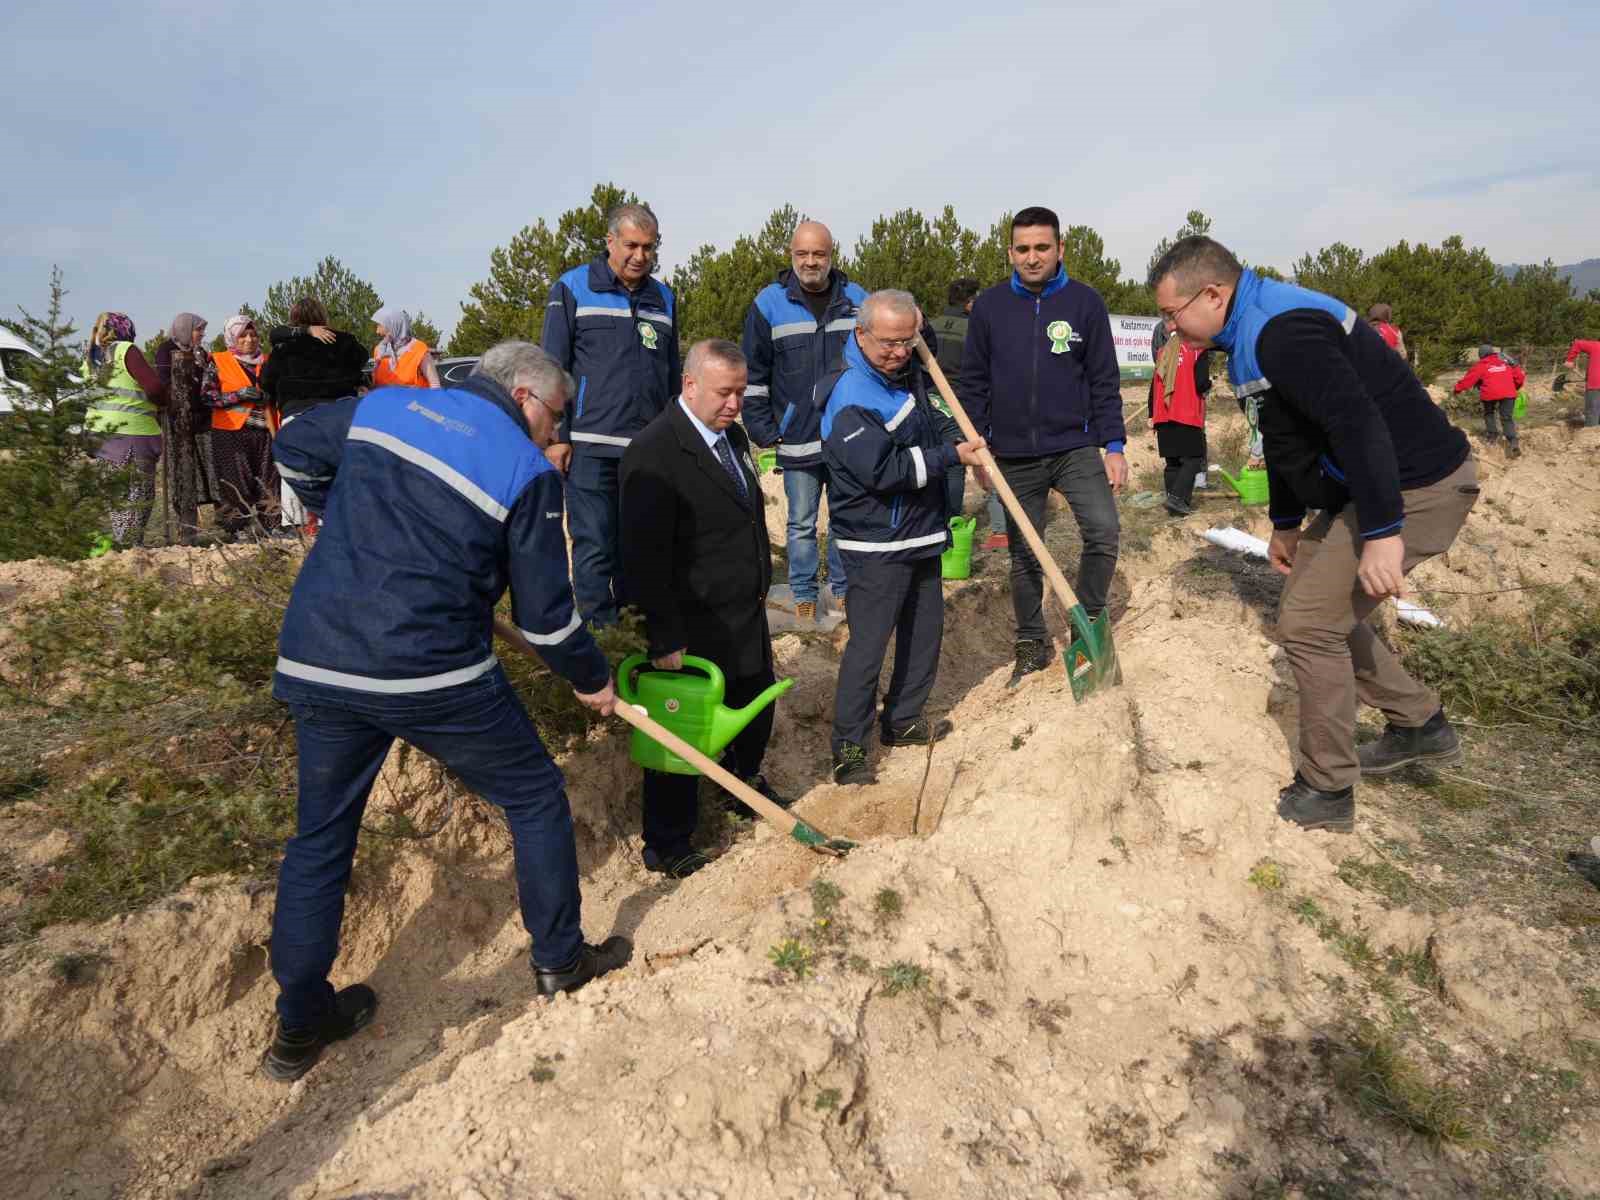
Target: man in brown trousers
x=1350, y=433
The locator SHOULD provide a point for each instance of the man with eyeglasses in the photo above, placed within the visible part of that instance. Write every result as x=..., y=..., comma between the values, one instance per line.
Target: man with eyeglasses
x=433, y=503
x=613, y=326
x=1351, y=434
x=794, y=333
x=889, y=513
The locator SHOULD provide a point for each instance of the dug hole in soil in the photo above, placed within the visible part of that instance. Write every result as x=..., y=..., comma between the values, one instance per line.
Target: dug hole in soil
x=1045, y=972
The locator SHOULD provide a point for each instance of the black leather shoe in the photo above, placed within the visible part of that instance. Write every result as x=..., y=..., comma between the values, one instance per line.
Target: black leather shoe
x=1435, y=742
x=1311, y=808
x=295, y=1051
x=1032, y=655
x=759, y=783
x=678, y=865
x=591, y=963
x=915, y=733
x=850, y=764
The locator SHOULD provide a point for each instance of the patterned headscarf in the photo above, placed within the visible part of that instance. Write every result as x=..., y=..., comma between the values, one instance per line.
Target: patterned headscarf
x=232, y=330
x=396, y=334
x=182, y=329
x=109, y=328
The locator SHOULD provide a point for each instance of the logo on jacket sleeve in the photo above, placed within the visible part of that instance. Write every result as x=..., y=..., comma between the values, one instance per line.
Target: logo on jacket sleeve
x=1061, y=335
x=647, y=335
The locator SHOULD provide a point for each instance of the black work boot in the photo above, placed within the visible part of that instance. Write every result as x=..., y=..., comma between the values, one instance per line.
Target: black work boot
x=850, y=764
x=1033, y=654
x=1311, y=808
x=1434, y=742
x=914, y=733
x=295, y=1051
x=758, y=783
x=592, y=962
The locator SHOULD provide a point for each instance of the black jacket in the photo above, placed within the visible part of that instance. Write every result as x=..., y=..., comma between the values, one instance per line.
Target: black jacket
x=302, y=372
x=695, y=553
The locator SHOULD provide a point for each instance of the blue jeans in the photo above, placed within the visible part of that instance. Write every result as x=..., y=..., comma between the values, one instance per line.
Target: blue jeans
x=592, y=496
x=802, y=486
x=480, y=731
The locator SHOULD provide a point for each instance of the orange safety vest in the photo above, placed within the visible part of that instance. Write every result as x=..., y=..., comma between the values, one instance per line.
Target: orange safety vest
x=407, y=373
x=231, y=378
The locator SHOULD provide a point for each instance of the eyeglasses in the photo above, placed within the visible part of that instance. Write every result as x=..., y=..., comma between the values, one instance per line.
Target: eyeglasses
x=549, y=408
x=1169, y=317
x=893, y=343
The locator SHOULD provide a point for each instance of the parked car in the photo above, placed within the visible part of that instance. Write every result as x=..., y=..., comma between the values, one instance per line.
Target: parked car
x=14, y=356
x=455, y=370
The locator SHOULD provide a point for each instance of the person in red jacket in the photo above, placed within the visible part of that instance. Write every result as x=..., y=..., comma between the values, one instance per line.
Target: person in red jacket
x=1498, y=382
x=1381, y=317
x=1178, y=412
x=1591, y=383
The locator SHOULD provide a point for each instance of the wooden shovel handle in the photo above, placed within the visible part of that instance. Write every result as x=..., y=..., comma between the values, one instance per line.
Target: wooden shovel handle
x=636, y=716
x=1058, y=581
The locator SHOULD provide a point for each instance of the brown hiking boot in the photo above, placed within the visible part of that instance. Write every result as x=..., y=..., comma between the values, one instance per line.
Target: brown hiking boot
x=806, y=610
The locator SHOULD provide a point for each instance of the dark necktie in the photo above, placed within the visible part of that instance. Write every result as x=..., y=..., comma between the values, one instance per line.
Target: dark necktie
x=725, y=457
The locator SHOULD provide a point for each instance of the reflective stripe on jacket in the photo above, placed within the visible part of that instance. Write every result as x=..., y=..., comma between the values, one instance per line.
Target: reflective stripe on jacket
x=119, y=405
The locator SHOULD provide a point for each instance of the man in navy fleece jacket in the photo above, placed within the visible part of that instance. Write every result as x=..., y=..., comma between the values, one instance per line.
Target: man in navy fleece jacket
x=1039, y=379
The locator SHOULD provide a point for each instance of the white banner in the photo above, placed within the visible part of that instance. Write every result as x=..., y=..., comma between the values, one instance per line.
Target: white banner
x=1131, y=336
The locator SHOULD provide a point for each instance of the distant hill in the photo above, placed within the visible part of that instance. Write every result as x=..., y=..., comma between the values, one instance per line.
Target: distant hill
x=1584, y=275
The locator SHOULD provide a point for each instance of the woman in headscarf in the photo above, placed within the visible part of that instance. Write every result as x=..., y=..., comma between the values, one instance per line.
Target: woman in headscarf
x=400, y=360
x=182, y=362
x=242, y=425
x=123, y=409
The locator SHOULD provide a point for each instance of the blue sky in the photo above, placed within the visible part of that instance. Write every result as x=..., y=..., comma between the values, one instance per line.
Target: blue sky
x=186, y=156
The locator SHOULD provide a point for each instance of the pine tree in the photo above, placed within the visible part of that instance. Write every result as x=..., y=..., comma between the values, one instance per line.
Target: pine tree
x=53, y=496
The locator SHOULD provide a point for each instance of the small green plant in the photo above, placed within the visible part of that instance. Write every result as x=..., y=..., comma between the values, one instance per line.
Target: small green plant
x=77, y=967
x=887, y=906
x=827, y=1100
x=542, y=1074
x=1383, y=1082
x=825, y=898
x=793, y=956
x=1268, y=876
x=902, y=976
x=1416, y=965
x=1381, y=876
x=1589, y=997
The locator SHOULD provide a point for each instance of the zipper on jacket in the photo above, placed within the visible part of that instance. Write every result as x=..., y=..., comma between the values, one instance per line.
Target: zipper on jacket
x=1033, y=394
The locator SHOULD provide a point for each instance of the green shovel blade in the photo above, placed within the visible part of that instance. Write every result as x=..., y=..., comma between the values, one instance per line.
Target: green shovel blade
x=817, y=840
x=1091, y=657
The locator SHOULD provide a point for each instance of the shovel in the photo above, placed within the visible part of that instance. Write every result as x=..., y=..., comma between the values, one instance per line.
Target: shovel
x=1091, y=658
x=635, y=715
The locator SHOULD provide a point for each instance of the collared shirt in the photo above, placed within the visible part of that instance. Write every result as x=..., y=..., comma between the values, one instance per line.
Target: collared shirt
x=711, y=436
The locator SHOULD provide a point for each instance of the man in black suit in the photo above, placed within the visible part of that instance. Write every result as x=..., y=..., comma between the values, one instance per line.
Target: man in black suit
x=696, y=553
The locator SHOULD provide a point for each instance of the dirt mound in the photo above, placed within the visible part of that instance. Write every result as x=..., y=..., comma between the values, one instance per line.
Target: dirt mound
x=1077, y=954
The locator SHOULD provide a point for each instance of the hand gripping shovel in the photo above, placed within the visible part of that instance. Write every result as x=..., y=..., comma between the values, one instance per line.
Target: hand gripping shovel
x=636, y=716
x=1091, y=657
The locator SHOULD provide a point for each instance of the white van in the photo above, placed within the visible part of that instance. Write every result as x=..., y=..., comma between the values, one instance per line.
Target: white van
x=14, y=354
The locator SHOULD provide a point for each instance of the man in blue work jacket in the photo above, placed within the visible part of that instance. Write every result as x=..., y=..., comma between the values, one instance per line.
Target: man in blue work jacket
x=794, y=333
x=890, y=514
x=614, y=327
x=1039, y=379
x=432, y=503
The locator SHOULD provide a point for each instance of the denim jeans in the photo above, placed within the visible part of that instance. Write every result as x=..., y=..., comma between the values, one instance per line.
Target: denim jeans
x=593, y=492
x=480, y=731
x=802, y=487
x=1080, y=476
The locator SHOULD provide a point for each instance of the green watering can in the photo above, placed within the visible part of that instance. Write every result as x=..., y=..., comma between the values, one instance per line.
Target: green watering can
x=687, y=704
x=1251, y=484
x=956, y=562
x=766, y=460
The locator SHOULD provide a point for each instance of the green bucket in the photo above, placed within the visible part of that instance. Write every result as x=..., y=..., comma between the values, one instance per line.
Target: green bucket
x=956, y=562
x=766, y=460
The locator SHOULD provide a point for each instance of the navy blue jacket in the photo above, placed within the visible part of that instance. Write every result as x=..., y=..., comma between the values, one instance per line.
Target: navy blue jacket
x=1039, y=372
x=621, y=347
x=789, y=352
x=886, y=463
x=432, y=502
